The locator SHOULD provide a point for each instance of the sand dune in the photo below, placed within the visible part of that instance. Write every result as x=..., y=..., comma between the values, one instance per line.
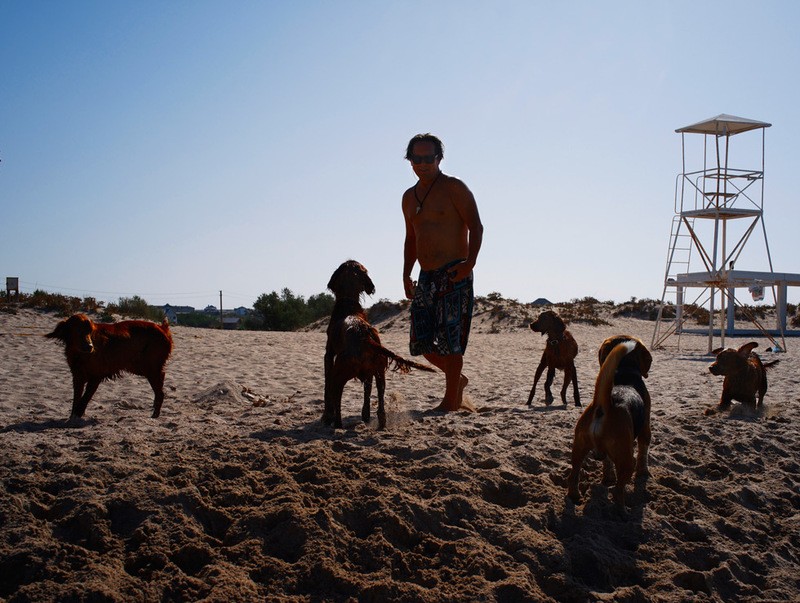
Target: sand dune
x=238, y=493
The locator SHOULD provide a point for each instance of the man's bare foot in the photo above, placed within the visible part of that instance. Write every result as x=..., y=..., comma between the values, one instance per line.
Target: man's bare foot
x=460, y=403
x=466, y=404
x=462, y=384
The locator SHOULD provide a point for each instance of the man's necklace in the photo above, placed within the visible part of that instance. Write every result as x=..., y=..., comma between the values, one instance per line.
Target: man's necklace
x=420, y=203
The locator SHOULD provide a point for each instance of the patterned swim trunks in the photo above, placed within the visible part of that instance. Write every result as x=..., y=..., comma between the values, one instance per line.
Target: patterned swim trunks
x=441, y=313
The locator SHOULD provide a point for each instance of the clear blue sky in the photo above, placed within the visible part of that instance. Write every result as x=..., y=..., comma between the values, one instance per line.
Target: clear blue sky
x=175, y=149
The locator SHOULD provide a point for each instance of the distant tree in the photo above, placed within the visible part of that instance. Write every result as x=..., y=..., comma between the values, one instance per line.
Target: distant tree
x=320, y=305
x=56, y=302
x=252, y=322
x=136, y=307
x=199, y=319
x=284, y=312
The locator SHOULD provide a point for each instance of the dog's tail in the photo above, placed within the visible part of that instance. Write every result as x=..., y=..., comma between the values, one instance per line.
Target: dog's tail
x=605, y=378
x=771, y=364
x=400, y=363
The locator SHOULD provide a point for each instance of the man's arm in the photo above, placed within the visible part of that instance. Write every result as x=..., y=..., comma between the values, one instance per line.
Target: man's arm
x=467, y=208
x=409, y=248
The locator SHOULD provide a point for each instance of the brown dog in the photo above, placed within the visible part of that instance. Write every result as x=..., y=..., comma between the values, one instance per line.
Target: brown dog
x=96, y=352
x=559, y=353
x=745, y=376
x=354, y=349
x=618, y=416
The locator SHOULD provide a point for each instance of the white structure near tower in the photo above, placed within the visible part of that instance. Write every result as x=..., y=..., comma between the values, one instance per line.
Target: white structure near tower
x=718, y=209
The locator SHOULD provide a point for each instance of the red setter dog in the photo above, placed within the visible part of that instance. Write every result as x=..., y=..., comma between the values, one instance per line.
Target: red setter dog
x=559, y=353
x=745, y=376
x=96, y=352
x=354, y=349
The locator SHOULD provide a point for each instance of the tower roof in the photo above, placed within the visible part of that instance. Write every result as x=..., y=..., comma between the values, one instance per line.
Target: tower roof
x=724, y=125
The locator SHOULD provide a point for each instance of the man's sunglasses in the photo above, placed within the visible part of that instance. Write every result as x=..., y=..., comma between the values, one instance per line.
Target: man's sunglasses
x=417, y=159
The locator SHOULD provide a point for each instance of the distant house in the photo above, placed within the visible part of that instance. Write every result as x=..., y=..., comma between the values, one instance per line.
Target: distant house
x=541, y=302
x=210, y=310
x=241, y=311
x=230, y=323
x=172, y=312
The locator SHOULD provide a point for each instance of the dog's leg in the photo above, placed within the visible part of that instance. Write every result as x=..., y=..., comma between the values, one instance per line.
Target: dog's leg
x=327, y=414
x=367, y=395
x=762, y=390
x=548, y=395
x=337, y=389
x=77, y=394
x=539, y=371
x=380, y=380
x=157, y=383
x=624, y=466
x=609, y=474
x=574, y=378
x=568, y=376
x=580, y=448
x=79, y=404
x=643, y=445
x=727, y=398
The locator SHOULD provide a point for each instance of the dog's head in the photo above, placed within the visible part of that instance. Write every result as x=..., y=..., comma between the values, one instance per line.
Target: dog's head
x=76, y=334
x=549, y=323
x=730, y=361
x=640, y=358
x=350, y=280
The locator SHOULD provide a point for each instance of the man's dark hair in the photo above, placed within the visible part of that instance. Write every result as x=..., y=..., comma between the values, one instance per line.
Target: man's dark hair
x=437, y=144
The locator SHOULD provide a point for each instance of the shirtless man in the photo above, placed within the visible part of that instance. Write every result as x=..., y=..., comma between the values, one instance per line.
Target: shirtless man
x=444, y=234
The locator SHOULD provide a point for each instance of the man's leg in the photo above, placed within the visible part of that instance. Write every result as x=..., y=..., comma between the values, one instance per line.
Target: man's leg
x=455, y=382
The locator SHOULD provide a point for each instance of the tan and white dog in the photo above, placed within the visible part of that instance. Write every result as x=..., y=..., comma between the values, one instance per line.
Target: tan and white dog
x=618, y=417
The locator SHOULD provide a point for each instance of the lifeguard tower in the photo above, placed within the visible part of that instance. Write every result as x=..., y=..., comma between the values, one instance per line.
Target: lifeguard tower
x=717, y=209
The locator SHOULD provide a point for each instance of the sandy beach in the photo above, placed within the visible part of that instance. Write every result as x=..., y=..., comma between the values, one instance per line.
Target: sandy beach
x=239, y=493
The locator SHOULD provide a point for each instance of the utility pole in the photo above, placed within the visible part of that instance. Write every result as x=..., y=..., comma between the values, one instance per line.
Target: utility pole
x=221, y=323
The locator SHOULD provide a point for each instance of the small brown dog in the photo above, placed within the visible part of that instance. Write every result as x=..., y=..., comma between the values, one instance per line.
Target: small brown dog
x=559, y=353
x=617, y=418
x=96, y=352
x=745, y=376
x=354, y=349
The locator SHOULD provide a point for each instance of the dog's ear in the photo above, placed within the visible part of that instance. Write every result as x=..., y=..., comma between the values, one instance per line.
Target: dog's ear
x=608, y=345
x=717, y=351
x=603, y=351
x=558, y=323
x=334, y=278
x=645, y=358
x=369, y=286
x=745, y=350
x=60, y=332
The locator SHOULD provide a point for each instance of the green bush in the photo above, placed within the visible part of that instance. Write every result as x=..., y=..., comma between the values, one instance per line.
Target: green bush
x=63, y=305
x=384, y=309
x=646, y=309
x=320, y=305
x=284, y=312
x=287, y=311
x=199, y=319
x=136, y=307
x=585, y=310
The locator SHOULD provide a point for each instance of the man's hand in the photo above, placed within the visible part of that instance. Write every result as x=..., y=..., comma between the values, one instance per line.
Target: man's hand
x=409, y=286
x=459, y=272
